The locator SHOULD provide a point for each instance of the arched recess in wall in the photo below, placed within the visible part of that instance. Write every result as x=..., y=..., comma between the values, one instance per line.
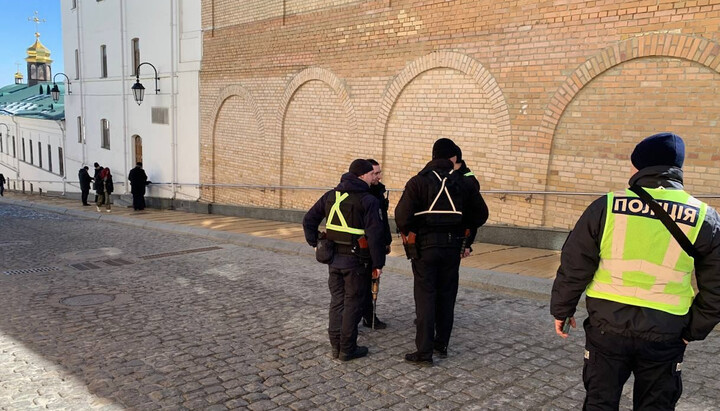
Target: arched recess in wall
x=443, y=94
x=646, y=84
x=245, y=125
x=324, y=112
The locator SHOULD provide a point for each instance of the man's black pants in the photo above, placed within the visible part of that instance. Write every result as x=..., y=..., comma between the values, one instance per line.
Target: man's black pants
x=138, y=201
x=348, y=287
x=609, y=360
x=435, y=289
x=84, y=196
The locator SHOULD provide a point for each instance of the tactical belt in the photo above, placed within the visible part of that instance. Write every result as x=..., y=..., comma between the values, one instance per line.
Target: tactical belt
x=343, y=249
x=439, y=239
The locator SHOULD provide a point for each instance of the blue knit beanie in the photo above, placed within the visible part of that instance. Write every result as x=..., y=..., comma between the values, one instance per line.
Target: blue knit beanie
x=664, y=149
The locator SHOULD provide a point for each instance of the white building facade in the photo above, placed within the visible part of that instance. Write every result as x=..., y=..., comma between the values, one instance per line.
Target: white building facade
x=103, y=42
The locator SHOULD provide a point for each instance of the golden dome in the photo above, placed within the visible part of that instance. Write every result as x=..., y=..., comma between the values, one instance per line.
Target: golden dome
x=18, y=75
x=37, y=53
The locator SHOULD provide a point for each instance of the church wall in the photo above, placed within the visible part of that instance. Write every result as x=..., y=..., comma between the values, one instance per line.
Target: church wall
x=541, y=96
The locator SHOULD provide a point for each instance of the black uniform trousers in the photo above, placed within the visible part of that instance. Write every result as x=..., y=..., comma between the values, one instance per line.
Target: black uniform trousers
x=84, y=195
x=435, y=289
x=348, y=287
x=138, y=201
x=609, y=360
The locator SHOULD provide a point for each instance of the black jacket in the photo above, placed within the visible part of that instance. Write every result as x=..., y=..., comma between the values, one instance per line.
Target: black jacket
x=416, y=197
x=85, y=179
x=378, y=190
x=109, y=186
x=475, y=184
x=581, y=256
x=97, y=184
x=372, y=218
x=138, y=180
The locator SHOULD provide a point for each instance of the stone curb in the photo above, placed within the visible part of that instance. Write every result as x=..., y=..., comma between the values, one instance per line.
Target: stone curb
x=494, y=281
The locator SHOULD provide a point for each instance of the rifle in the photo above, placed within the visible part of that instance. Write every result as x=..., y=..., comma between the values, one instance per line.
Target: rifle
x=374, y=288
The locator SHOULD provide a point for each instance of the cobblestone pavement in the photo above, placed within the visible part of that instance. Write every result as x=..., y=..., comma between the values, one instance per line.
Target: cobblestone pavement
x=96, y=315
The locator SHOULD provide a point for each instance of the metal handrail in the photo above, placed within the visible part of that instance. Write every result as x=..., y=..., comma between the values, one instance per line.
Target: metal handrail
x=400, y=190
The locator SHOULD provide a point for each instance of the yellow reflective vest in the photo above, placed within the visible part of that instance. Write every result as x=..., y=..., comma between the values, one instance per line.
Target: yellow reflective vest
x=641, y=263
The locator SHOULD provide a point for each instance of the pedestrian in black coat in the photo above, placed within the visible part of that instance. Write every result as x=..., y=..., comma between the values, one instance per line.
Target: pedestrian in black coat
x=85, y=180
x=138, y=181
x=97, y=181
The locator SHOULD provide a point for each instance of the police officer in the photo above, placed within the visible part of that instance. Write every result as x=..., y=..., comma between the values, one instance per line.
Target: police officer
x=641, y=306
x=472, y=181
x=352, y=216
x=377, y=188
x=437, y=206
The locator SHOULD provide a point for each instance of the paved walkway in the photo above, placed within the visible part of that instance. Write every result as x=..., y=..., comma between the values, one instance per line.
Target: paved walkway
x=520, y=270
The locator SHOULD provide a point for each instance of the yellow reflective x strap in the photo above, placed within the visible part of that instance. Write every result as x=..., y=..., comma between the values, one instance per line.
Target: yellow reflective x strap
x=335, y=211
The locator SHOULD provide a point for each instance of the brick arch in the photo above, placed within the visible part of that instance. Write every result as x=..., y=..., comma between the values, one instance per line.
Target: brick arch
x=698, y=50
x=223, y=96
x=690, y=48
x=445, y=59
x=309, y=74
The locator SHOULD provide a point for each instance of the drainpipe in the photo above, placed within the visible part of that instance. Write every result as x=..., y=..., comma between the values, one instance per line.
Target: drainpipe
x=173, y=92
x=123, y=38
x=81, y=83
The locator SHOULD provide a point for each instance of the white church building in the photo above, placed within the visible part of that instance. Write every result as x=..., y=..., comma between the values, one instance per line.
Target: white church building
x=104, y=43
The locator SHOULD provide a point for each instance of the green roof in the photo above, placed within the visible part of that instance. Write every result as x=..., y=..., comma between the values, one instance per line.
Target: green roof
x=27, y=101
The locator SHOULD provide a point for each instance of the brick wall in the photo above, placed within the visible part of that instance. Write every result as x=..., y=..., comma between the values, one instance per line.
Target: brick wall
x=540, y=96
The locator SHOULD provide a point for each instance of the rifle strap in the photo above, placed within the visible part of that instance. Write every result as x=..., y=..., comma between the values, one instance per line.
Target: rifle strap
x=665, y=218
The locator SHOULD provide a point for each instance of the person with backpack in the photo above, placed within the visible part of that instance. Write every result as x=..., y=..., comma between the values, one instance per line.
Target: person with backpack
x=433, y=215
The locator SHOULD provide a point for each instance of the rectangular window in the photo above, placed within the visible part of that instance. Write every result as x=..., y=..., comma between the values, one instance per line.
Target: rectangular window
x=2, y=150
x=13, y=139
x=49, y=158
x=79, y=131
x=74, y=4
x=61, y=163
x=32, y=160
x=105, y=133
x=160, y=115
x=103, y=61
x=23, y=148
x=77, y=64
x=135, y=55
x=40, y=154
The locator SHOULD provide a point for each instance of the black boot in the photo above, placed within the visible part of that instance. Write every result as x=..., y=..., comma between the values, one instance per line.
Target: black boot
x=379, y=325
x=440, y=349
x=360, y=352
x=419, y=359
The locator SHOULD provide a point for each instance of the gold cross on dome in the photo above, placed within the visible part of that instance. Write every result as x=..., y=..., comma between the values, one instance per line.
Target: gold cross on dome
x=37, y=20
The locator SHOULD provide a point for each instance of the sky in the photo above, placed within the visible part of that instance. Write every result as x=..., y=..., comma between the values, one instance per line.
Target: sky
x=17, y=34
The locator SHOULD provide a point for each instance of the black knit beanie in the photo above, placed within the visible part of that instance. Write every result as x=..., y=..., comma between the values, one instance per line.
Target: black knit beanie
x=444, y=148
x=360, y=167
